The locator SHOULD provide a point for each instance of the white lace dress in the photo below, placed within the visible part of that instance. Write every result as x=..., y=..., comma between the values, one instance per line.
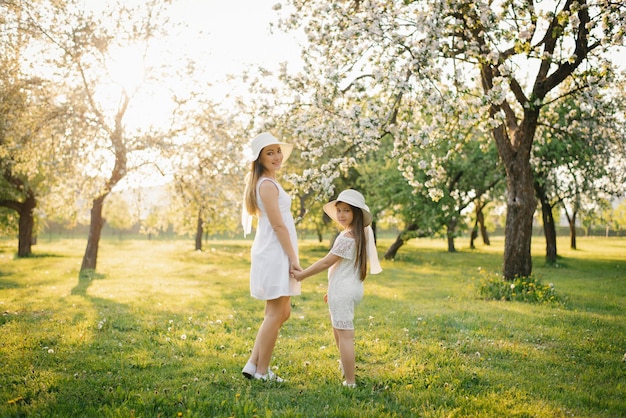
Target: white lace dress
x=345, y=290
x=269, y=270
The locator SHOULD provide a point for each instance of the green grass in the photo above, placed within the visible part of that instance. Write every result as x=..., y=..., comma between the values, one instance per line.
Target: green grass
x=163, y=331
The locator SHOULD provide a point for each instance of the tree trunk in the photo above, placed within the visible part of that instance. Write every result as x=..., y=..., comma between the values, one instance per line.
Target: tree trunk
x=479, y=224
x=199, y=233
x=26, y=225
x=474, y=235
x=572, y=231
x=549, y=229
x=521, y=206
x=393, y=250
x=571, y=220
x=451, y=248
x=450, y=235
x=412, y=231
x=480, y=218
x=95, y=230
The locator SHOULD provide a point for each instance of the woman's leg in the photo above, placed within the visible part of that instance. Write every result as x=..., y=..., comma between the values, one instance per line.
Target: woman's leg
x=346, y=353
x=277, y=311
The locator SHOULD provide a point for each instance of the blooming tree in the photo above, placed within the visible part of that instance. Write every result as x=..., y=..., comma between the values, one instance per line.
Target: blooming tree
x=208, y=173
x=410, y=69
x=578, y=156
x=82, y=41
x=32, y=123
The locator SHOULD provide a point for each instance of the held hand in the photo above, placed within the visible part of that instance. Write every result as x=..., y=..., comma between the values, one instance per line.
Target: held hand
x=294, y=266
x=326, y=298
x=294, y=270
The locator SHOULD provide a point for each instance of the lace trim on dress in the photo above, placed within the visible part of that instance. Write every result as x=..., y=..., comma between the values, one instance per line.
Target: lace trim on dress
x=343, y=324
x=343, y=247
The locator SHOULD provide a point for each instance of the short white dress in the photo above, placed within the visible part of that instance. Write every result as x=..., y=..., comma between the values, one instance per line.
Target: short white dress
x=269, y=270
x=345, y=289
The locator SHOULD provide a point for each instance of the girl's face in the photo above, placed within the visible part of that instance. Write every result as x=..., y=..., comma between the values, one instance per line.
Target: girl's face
x=344, y=214
x=271, y=157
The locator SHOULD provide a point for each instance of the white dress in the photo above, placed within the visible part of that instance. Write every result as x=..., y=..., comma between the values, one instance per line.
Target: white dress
x=345, y=289
x=269, y=270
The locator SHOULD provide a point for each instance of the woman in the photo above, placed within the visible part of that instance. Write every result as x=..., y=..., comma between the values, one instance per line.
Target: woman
x=274, y=251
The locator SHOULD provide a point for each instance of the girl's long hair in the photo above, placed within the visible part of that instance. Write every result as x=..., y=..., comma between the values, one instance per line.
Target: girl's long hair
x=358, y=231
x=253, y=176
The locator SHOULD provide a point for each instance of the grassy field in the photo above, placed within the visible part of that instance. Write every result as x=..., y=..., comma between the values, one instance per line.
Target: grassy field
x=163, y=331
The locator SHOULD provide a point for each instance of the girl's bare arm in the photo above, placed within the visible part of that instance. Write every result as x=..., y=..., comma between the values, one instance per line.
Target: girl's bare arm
x=317, y=267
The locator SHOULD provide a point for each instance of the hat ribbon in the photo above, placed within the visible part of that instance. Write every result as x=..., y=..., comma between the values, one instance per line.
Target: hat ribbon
x=372, y=255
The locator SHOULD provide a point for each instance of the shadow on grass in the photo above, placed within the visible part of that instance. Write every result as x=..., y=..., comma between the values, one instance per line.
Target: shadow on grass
x=85, y=278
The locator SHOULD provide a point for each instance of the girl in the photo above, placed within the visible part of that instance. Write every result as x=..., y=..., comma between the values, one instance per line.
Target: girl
x=347, y=267
x=274, y=253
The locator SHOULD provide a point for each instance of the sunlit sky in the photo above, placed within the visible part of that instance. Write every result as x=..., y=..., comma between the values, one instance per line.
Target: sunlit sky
x=239, y=33
x=223, y=37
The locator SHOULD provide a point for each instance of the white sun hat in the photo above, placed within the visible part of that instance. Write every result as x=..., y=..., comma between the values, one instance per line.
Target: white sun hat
x=353, y=198
x=356, y=199
x=264, y=139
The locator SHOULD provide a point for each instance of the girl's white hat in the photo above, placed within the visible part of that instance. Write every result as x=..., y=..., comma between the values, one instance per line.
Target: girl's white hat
x=264, y=139
x=351, y=197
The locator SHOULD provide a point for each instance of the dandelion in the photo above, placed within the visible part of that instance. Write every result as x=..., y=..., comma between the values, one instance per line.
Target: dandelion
x=50, y=351
x=183, y=337
x=219, y=321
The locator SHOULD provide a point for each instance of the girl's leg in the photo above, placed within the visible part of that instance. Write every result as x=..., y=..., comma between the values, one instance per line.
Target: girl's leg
x=336, y=335
x=277, y=311
x=346, y=352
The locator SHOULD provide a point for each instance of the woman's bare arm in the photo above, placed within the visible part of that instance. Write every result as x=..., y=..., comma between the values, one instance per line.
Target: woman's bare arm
x=269, y=196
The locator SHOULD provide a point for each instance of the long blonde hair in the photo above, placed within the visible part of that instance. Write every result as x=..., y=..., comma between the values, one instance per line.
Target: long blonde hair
x=254, y=174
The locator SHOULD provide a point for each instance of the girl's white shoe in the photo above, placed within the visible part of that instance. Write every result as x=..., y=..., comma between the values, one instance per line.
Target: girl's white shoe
x=249, y=370
x=349, y=385
x=269, y=376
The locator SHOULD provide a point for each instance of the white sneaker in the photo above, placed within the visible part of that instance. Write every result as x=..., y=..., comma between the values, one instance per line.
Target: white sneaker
x=269, y=376
x=349, y=385
x=249, y=370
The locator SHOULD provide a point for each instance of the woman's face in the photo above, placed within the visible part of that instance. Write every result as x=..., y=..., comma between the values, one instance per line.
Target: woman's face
x=344, y=214
x=271, y=157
